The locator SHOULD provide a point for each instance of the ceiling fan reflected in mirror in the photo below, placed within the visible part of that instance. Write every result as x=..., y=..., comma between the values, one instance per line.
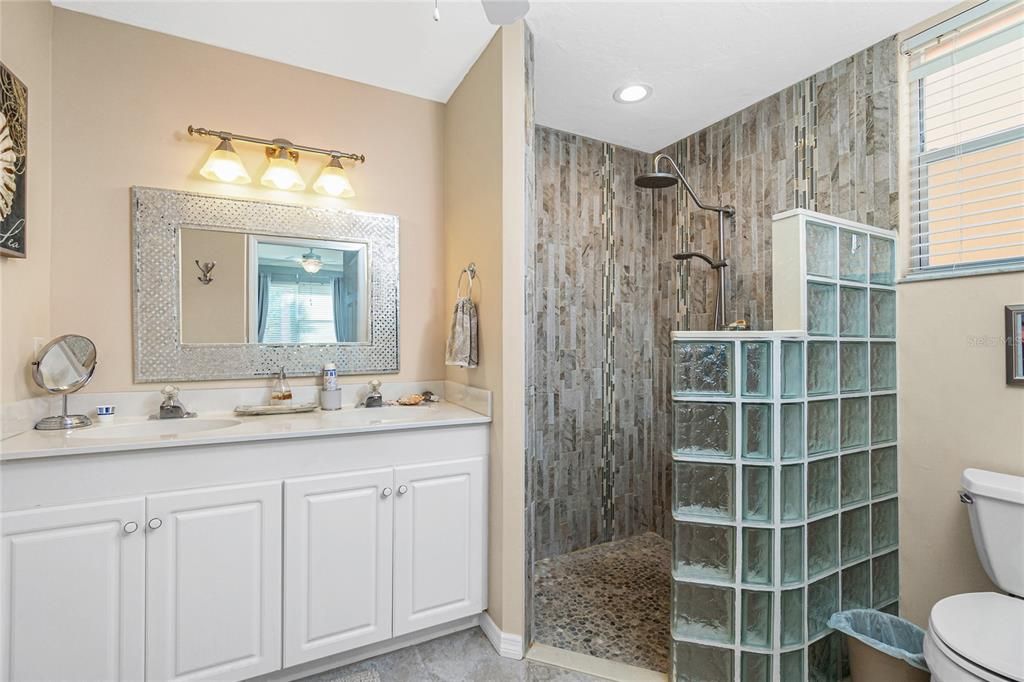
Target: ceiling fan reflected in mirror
x=499, y=12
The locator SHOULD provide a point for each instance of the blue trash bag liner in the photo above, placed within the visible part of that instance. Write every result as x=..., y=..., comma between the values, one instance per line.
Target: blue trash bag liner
x=889, y=634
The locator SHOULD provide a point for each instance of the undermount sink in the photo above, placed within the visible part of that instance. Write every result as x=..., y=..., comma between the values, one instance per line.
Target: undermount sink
x=385, y=415
x=158, y=428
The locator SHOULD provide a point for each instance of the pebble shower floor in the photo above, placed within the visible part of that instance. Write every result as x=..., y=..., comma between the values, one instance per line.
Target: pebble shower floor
x=784, y=471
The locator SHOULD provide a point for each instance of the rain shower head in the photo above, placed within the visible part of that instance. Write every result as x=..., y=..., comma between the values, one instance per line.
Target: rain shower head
x=656, y=180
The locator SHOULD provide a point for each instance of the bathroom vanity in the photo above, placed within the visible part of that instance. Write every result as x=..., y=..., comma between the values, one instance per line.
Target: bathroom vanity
x=230, y=548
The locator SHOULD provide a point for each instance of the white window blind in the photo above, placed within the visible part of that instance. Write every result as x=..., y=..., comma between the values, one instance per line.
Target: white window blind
x=967, y=141
x=299, y=312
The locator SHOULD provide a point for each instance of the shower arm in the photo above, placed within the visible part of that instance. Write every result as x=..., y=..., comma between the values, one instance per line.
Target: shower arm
x=727, y=210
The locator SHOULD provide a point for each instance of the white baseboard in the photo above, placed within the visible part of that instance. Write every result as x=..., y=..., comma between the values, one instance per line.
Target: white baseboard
x=507, y=645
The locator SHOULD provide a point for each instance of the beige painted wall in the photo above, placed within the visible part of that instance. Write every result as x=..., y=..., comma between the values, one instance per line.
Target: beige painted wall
x=25, y=29
x=484, y=223
x=956, y=412
x=214, y=312
x=123, y=98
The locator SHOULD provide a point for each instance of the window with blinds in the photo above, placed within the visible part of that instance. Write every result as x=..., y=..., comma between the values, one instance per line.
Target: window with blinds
x=967, y=142
x=299, y=311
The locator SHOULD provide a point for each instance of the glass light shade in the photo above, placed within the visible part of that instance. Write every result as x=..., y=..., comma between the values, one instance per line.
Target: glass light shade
x=283, y=173
x=224, y=165
x=311, y=262
x=333, y=181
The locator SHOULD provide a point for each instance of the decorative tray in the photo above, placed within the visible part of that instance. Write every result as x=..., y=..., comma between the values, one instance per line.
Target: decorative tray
x=255, y=410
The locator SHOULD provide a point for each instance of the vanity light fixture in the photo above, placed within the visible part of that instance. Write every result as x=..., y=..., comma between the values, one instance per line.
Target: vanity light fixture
x=333, y=181
x=632, y=93
x=224, y=164
x=311, y=262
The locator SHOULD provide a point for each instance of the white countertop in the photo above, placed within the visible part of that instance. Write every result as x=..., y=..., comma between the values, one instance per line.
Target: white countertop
x=105, y=438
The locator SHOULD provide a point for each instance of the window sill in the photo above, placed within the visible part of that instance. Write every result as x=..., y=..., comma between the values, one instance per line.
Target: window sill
x=966, y=272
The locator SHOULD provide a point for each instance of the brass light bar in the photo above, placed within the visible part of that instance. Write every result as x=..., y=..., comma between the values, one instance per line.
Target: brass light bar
x=279, y=143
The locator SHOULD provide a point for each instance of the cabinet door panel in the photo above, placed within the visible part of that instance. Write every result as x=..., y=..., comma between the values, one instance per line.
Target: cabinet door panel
x=73, y=592
x=440, y=527
x=337, y=565
x=213, y=583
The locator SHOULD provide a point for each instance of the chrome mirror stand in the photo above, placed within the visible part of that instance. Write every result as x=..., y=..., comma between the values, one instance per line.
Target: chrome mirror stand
x=63, y=366
x=63, y=421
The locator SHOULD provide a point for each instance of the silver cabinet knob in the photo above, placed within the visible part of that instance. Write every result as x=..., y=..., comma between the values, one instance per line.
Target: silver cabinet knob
x=386, y=492
x=155, y=523
x=403, y=489
x=131, y=527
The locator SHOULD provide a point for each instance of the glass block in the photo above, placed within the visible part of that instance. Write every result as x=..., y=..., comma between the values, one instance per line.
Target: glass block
x=883, y=366
x=822, y=426
x=853, y=367
x=792, y=490
x=821, y=367
x=822, y=546
x=757, y=369
x=883, y=471
x=822, y=602
x=821, y=309
x=853, y=423
x=757, y=556
x=792, y=435
x=792, y=606
x=855, y=535
x=757, y=618
x=757, y=493
x=853, y=256
x=883, y=263
x=823, y=659
x=822, y=486
x=757, y=431
x=792, y=555
x=701, y=368
x=853, y=478
x=883, y=314
x=703, y=612
x=791, y=665
x=704, y=429
x=699, y=663
x=853, y=311
x=792, y=369
x=885, y=525
x=821, y=250
x=885, y=579
x=857, y=586
x=703, y=489
x=755, y=667
x=883, y=418
x=704, y=551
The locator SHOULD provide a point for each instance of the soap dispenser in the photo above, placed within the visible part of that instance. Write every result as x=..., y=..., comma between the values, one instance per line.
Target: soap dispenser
x=281, y=394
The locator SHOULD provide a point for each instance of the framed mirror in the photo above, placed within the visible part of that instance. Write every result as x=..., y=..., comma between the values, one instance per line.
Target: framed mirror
x=1015, y=345
x=229, y=288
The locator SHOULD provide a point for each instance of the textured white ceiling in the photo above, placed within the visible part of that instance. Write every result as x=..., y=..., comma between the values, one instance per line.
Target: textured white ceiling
x=705, y=60
x=393, y=44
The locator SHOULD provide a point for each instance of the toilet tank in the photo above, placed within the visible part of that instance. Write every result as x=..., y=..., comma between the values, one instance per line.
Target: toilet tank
x=995, y=504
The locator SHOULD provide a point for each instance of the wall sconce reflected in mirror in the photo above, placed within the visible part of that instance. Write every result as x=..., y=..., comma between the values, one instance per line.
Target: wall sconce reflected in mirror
x=225, y=165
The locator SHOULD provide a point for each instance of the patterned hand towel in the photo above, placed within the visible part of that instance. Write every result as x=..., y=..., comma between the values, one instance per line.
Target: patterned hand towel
x=463, y=348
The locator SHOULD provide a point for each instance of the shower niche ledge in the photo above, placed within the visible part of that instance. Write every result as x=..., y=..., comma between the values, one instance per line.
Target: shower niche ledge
x=784, y=452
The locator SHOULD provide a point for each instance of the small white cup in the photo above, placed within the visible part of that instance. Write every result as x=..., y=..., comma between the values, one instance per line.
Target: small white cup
x=105, y=413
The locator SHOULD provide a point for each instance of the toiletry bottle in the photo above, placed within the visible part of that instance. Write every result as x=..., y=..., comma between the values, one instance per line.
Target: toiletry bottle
x=330, y=377
x=281, y=394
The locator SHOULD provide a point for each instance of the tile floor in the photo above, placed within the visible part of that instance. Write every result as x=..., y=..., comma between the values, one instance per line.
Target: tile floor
x=609, y=601
x=465, y=656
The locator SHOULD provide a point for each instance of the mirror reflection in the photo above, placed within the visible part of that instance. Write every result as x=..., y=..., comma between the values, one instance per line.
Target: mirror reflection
x=271, y=289
x=66, y=364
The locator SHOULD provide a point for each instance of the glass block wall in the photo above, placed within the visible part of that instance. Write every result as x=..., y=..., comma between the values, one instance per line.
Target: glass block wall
x=784, y=479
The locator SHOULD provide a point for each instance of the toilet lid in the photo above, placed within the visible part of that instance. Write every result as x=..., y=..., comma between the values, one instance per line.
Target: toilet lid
x=985, y=628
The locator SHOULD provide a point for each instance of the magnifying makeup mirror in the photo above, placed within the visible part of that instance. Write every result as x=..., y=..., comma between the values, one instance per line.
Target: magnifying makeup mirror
x=63, y=366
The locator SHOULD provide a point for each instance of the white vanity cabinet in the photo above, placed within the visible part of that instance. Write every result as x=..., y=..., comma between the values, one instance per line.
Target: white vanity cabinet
x=233, y=561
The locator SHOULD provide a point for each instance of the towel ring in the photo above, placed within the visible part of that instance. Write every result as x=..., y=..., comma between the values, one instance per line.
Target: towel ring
x=470, y=272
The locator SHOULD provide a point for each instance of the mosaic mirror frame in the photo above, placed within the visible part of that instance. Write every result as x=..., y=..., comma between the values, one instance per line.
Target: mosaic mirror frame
x=157, y=217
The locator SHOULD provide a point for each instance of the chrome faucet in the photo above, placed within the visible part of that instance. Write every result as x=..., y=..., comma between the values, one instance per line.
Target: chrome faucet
x=171, y=407
x=374, y=398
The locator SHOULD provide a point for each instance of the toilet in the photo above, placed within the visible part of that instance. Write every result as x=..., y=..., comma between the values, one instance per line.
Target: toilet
x=980, y=635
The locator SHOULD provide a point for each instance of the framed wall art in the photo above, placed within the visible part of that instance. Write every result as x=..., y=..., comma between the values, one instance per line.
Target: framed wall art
x=13, y=163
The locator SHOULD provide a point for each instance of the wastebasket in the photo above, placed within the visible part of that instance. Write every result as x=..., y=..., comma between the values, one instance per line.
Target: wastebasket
x=882, y=647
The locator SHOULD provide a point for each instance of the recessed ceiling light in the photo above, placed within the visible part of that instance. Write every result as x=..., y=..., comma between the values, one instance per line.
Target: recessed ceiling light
x=635, y=92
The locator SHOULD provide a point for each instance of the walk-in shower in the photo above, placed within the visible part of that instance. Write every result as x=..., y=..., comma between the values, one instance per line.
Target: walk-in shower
x=659, y=180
